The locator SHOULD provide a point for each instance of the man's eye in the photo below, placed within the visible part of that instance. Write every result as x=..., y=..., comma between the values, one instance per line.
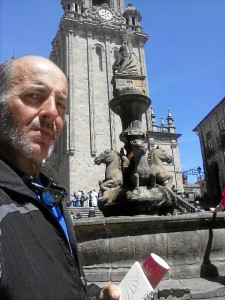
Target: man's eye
x=33, y=96
x=61, y=106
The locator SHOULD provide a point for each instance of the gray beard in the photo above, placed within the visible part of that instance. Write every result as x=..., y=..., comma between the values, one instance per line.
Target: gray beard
x=14, y=140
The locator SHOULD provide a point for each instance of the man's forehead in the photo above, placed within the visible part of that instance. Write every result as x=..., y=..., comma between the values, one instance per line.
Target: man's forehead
x=39, y=82
x=39, y=77
x=30, y=65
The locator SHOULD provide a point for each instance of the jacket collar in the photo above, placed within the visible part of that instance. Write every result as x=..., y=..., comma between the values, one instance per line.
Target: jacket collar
x=11, y=179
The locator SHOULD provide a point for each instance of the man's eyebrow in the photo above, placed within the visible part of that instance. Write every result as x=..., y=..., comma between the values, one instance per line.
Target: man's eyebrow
x=62, y=96
x=35, y=87
x=41, y=88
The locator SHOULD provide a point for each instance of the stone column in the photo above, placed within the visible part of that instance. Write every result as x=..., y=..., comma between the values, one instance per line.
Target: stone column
x=143, y=72
x=69, y=63
x=91, y=94
x=109, y=76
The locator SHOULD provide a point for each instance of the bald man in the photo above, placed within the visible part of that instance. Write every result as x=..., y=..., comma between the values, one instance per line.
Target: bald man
x=39, y=258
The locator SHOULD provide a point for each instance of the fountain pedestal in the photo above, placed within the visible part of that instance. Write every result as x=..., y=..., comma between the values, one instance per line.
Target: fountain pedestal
x=138, y=191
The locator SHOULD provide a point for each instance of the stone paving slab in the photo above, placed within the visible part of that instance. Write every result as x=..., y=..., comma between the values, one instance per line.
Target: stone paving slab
x=195, y=288
x=188, y=289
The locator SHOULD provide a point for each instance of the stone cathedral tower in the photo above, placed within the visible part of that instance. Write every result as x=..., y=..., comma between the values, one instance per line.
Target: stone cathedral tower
x=86, y=44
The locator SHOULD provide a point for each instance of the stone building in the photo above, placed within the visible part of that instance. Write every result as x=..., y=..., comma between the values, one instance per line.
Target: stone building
x=86, y=44
x=203, y=189
x=165, y=136
x=211, y=132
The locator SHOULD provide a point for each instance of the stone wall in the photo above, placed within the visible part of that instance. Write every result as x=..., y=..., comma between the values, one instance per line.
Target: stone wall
x=211, y=132
x=192, y=245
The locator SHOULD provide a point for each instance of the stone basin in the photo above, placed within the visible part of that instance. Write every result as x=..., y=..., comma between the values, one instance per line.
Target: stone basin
x=192, y=244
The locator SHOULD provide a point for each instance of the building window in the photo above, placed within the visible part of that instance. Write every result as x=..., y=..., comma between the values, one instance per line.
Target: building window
x=222, y=127
x=100, y=2
x=133, y=21
x=99, y=54
x=221, y=138
x=76, y=7
x=224, y=156
x=68, y=6
x=209, y=141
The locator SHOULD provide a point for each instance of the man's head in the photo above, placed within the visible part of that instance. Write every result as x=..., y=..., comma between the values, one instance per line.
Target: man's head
x=33, y=93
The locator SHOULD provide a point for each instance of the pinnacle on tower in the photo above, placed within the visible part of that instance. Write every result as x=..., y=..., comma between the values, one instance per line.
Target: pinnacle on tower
x=170, y=124
x=72, y=5
x=153, y=118
x=132, y=16
x=163, y=126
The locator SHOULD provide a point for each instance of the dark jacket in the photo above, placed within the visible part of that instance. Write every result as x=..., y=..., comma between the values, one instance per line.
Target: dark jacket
x=35, y=257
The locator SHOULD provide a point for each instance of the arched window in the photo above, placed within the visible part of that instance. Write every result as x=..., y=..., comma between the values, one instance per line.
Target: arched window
x=68, y=7
x=99, y=55
x=133, y=21
x=76, y=7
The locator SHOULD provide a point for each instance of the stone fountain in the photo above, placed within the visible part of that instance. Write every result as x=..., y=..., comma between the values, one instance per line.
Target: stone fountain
x=135, y=197
x=134, y=182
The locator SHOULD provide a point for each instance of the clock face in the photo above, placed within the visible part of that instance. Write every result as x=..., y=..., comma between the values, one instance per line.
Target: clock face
x=105, y=14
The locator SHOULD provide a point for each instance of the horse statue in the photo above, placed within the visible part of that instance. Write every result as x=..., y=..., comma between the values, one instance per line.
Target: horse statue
x=134, y=179
x=143, y=174
x=163, y=177
x=113, y=172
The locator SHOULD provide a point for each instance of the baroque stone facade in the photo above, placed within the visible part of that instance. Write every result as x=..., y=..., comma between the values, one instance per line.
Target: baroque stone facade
x=85, y=47
x=211, y=132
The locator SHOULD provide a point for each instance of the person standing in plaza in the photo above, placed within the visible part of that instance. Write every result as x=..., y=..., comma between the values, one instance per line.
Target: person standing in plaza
x=79, y=194
x=74, y=195
x=39, y=257
x=82, y=199
x=89, y=199
x=94, y=198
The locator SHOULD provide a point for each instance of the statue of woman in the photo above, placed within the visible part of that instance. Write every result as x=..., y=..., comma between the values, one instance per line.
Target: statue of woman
x=125, y=62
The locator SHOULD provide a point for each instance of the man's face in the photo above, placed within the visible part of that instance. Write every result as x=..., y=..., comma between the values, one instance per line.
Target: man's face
x=34, y=108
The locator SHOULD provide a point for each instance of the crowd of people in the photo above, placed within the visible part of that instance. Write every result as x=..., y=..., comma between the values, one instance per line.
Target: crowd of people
x=79, y=199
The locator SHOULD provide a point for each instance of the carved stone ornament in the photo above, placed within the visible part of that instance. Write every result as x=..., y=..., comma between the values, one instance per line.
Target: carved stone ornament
x=104, y=14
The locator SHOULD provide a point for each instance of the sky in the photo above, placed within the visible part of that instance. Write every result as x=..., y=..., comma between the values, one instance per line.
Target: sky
x=185, y=56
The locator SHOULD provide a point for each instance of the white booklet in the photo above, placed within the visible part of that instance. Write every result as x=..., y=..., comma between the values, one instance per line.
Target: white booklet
x=135, y=285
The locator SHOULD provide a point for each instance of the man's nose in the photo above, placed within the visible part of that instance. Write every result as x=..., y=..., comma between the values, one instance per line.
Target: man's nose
x=49, y=109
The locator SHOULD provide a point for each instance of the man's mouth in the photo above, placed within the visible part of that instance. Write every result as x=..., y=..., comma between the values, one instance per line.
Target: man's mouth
x=47, y=131
x=44, y=135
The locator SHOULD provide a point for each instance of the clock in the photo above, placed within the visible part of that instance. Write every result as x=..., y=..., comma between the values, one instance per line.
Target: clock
x=105, y=14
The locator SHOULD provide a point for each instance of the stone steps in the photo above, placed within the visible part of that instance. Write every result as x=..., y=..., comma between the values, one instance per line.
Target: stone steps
x=194, y=288
x=84, y=211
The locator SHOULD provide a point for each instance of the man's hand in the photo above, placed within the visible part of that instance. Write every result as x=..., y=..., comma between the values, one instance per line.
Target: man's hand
x=110, y=292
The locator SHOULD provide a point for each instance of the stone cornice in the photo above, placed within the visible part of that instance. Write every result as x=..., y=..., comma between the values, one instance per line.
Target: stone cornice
x=72, y=20
x=161, y=134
